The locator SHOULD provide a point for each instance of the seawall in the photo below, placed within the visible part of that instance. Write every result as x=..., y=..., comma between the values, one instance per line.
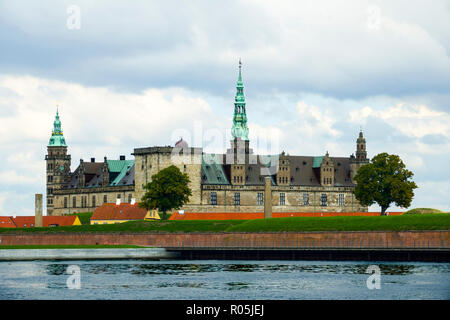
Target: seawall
x=334, y=239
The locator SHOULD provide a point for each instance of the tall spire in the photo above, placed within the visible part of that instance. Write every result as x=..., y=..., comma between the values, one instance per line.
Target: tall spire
x=239, y=129
x=57, y=138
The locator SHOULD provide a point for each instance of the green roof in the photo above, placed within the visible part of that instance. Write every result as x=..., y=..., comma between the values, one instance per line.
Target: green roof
x=57, y=138
x=119, y=168
x=317, y=161
x=213, y=169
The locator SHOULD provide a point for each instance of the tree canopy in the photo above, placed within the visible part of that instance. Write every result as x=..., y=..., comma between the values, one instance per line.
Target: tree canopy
x=384, y=180
x=167, y=190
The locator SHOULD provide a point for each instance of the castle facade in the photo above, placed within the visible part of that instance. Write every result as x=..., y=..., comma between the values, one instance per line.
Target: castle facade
x=228, y=182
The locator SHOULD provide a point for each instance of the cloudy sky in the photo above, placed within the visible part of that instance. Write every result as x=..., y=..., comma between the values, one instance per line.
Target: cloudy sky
x=143, y=73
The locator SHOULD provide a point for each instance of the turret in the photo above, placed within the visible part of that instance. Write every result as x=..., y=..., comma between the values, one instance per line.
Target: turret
x=361, y=153
x=360, y=159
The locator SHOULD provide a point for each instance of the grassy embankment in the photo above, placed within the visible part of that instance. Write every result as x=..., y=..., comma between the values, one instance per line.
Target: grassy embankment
x=423, y=211
x=292, y=224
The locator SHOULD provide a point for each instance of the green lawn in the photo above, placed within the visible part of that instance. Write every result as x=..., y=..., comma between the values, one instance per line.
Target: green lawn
x=343, y=223
x=68, y=246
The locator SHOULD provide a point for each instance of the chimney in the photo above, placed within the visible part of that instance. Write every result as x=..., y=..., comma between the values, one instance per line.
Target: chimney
x=38, y=210
x=92, y=159
x=122, y=158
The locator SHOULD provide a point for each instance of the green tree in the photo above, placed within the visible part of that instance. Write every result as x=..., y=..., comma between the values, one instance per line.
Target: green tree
x=384, y=180
x=168, y=190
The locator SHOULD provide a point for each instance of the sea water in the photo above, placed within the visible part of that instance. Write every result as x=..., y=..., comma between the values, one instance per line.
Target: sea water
x=217, y=279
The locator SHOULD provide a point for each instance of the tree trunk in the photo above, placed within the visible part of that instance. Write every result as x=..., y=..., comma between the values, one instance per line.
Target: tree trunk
x=383, y=210
x=164, y=216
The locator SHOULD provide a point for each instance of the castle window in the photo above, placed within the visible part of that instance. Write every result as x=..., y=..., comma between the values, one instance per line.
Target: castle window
x=305, y=199
x=129, y=197
x=213, y=198
x=50, y=178
x=323, y=200
x=118, y=196
x=65, y=202
x=105, y=198
x=237, y=199
x=74, y=200
x=259, y=199
x=93, y=201
x=282, y=199
x=341, y=199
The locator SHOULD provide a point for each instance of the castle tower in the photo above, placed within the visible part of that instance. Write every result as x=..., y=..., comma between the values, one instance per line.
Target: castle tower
x=361, y=156
x=57, y=163
x=240, y=143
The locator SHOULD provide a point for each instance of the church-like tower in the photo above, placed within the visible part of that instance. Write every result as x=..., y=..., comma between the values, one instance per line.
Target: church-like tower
x=240, y=149
x=239, y=129
x=57, y=163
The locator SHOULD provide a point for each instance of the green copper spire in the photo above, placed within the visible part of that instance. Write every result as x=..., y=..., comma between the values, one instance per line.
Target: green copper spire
x=239, y=129
x=57, y=138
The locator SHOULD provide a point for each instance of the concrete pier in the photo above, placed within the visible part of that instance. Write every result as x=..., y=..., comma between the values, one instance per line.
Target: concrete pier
x=268, y=198
x=85, y=254
x=38, y=210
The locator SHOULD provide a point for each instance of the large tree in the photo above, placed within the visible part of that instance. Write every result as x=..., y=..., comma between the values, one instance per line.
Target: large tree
x=168, y=190
x=384, y=180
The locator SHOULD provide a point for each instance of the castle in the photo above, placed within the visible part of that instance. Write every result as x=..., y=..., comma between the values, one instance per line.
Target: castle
x=229, y=182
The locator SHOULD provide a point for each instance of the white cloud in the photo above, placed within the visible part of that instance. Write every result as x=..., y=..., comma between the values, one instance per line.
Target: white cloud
x=412, y=120
x=95, y=115
x=315, y=121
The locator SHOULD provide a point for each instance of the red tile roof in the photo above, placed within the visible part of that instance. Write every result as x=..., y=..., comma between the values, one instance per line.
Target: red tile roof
x=7, y=222
x=123, y=211
x=260, y=215
x=47, y=221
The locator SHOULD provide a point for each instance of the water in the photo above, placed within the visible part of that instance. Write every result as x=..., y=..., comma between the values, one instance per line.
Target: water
x=140, y=279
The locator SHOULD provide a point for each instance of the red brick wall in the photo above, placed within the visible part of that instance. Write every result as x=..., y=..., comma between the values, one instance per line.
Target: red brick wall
x=381, y=239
